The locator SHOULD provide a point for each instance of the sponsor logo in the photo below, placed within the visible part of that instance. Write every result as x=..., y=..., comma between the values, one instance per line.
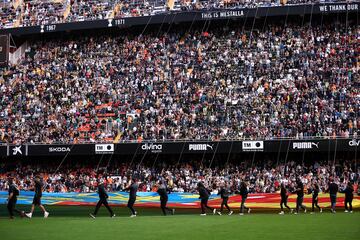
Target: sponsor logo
x=305, y=145
x=253, y=146
x=200, y=147
x=104, y=148
x=17, y=150
x=154, y=148
x=59, y=149
x=354, y=143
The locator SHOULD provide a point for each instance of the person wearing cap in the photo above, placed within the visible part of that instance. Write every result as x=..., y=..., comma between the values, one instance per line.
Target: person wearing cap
x=204, y=196
x=38, y=187
x=163, y=192
x=103, y=196
x=12, y=198
x=132, y=188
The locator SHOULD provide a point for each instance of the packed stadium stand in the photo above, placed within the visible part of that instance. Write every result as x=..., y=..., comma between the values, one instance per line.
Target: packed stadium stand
x=22, y=13
x=221, y=83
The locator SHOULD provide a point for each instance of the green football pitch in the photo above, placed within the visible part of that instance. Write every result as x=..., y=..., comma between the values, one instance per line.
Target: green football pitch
x=74, y=223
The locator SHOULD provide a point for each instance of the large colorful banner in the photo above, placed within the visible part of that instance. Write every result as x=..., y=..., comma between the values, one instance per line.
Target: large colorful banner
x=182, y=200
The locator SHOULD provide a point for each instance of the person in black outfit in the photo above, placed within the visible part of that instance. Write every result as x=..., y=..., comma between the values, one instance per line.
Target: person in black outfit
x=349, y=195
x=163, y=192
x=300, y=196
x=315, y=193
x=204, y=196
x=225, y=193
x=284, y=199
x=132, y=188
x=37, y=198
x=244, y=194
x=103, y=196
x=12, y=198
x=333, y=189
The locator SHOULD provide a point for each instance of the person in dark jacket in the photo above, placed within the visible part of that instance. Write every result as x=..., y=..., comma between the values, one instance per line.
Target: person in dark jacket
x=132, y=188
x=315, y=189
x=224, y=194
x=284, y=199
x=163, y=192
x=12, y=199
x=37, y=198
x=103, y=196
x=204, y=196
x=300, y=196
x=333, y=189
x=244, y=194
x=349, y=195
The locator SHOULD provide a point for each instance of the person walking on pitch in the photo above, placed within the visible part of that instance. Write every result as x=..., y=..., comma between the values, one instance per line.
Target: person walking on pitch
x=349, y=195
x=300, y=196
x=132, y=188
x=12, y=198
x=38, y=187
x=163, y=192
x=284, y=199
x=225, y=193
x=103, y=196
x=204, y=196
x=315, y=193
x=244, y=194
x=333, y=189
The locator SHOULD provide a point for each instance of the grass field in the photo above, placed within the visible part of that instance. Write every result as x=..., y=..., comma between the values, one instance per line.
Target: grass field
x=74, y=223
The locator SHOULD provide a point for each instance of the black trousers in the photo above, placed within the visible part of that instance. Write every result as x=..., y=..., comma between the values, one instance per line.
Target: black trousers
x=299, y=204
x=284, y=202
x=348, y=201
x=130, y=205
x=105, y=202
x=315, y=204
x=225, y=203
x=333, y=201
x=204, y=205
x=163, y=202
x=11, y=207
x=242, y=206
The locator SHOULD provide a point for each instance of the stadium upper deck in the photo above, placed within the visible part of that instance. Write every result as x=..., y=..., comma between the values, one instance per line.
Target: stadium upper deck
x=23, y=13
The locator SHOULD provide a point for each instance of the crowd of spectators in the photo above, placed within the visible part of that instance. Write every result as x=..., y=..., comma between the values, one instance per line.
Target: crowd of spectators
x=225, y=83
x=9, y=14
x=261, y=177
x=41, y=12
x=82, y=10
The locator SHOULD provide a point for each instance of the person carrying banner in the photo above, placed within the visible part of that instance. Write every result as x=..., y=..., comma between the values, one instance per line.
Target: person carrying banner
x=163, y=192
x=225, y=193
x=132, y=188
x=315, y=193
x=103, y=196
x=204, y=196
x=244, y=194
x=284, y=199
x=333, y=189
x=300, y=196
x=349, y=195
x=37, y=198
x=12, y=198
